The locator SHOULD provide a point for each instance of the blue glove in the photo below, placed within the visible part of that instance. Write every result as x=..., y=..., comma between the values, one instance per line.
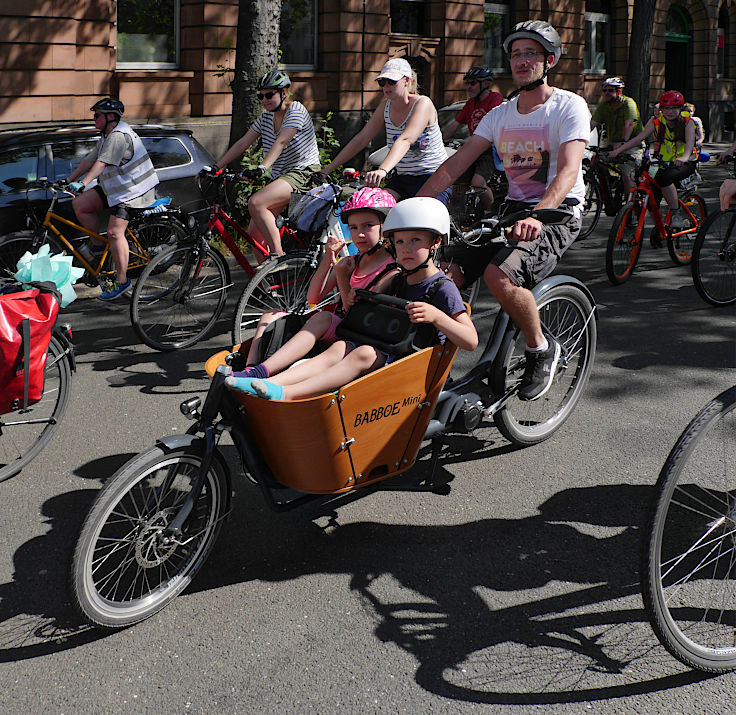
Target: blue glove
x=77, y=187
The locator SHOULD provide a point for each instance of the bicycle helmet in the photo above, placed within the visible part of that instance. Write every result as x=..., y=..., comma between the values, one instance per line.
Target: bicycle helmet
x=479, y=73
x=378, y=200
x=539, y=31
x=275, y=78
x=672, y=99
x=108, y=105
x=615, y=82
x=419, y=213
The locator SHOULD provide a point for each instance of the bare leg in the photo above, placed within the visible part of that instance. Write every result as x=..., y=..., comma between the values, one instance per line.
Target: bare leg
x=518, y=303
x=487, y=197
x=263, y=206
x=300, y=344
x=263, y=323
x=119, y=246
x=86, y=207
x=358, y=362
x=670, y=196
x=322, y=363
x=726, y=193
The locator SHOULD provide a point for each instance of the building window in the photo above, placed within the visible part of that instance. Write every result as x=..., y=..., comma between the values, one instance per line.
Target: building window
x=408, y=17
x=298, y=34
x=495, y=28
x=722, y=46
x=597, y=42
x=148, y=34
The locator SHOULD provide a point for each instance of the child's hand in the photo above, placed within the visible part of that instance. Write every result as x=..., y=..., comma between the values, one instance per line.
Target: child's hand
x=423, y=312
x=351, y=298
x=334, y=244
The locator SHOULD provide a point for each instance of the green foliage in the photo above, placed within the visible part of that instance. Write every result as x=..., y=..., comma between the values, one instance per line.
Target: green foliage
x=327, y=142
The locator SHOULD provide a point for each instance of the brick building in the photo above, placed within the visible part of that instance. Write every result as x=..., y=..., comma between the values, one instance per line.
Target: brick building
x=169, y=59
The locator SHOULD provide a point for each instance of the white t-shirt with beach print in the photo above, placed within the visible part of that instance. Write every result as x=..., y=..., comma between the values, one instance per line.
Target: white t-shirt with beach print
x=528, y=144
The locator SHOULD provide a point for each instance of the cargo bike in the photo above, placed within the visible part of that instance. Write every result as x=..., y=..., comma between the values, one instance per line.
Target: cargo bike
x=155, y=522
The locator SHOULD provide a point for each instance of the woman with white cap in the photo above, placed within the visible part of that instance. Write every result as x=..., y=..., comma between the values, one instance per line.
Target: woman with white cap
x=412, y=133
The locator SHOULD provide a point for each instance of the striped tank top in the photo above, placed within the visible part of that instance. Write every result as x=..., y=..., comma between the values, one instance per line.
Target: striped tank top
x=425, y=154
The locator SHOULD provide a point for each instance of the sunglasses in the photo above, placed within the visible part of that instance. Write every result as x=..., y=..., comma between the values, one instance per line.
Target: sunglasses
x=97, y=115
x=383, y=82
x=265, y=95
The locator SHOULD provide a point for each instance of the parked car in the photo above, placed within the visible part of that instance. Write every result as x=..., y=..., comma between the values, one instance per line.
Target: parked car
x=54, y=152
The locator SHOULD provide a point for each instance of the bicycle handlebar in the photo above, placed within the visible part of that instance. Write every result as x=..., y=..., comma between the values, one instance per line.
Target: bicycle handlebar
x=491, y=228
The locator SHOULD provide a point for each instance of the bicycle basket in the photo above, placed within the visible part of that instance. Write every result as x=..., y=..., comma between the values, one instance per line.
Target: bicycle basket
x=311, y=210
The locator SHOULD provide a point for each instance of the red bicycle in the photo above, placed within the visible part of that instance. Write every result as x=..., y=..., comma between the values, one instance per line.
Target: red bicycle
x=181, y=293
x=627, y=231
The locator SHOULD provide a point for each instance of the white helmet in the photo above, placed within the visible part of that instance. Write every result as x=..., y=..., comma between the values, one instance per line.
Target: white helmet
x=420, y=213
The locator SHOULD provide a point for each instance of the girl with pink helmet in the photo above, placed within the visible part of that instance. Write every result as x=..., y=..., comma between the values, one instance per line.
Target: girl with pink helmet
x=364, y=212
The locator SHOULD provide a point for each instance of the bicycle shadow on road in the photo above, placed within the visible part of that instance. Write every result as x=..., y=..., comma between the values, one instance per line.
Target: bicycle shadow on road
x=36, y=614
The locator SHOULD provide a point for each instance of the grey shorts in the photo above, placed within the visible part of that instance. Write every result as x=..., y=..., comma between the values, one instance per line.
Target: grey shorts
x=525, y=263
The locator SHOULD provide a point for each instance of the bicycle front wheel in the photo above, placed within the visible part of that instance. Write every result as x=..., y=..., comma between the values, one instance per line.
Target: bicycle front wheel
x=592, y=207
x=14, y=245
x=277, y=286
x=681, y=246
x=714, y=259
x=179, y=297
x=568, y=316
x=23, y=434
x=126, y=566
x=624, y=242
x=689, y=552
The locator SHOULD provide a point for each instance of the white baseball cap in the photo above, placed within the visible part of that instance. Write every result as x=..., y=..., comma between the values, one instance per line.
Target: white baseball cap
x=395, y=69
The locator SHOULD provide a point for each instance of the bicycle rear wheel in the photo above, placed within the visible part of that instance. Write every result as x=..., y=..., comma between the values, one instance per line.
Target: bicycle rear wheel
x=23, y=434
x=568, y=316
x=624, y=242
x=714, y=259
x=277, y=286
x=592, y=207
x=179, y=296
x=681, y=246
x=688, y=557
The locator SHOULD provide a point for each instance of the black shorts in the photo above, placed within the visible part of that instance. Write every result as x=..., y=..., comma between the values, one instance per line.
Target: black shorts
x=673, y=173
x=121, y=210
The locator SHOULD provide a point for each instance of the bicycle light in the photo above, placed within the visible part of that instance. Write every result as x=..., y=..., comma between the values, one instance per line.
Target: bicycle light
x=189, y=407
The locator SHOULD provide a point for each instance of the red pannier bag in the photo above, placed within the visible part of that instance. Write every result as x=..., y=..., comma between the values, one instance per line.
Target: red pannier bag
x=26, y=320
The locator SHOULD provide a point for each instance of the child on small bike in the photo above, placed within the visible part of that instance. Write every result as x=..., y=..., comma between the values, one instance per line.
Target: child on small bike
x=416, y=227
x=364, y=212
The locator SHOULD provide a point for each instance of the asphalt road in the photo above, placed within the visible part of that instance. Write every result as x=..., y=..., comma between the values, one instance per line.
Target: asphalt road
x=517, y=589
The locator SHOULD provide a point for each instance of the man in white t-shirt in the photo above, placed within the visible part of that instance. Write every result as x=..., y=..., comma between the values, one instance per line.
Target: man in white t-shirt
x=540, y=135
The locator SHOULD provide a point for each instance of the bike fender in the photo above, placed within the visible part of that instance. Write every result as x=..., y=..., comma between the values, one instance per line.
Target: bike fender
x=553, y=281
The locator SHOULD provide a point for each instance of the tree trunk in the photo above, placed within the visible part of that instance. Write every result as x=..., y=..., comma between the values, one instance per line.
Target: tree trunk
x=256, y=53
x=640, y=55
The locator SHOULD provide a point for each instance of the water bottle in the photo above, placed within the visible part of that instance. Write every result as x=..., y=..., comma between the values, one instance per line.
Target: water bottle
x=86, y=252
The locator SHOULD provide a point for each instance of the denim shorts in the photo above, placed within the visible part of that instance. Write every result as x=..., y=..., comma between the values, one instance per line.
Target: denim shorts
x=407, y=186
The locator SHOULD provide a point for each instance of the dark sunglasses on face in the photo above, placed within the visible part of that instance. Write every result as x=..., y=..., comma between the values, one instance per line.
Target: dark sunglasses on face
x=265, y=95
x=97, y=115
x=383, y=81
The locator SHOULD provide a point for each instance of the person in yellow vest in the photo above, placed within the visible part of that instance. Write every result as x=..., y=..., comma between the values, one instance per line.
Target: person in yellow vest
x=674, y=141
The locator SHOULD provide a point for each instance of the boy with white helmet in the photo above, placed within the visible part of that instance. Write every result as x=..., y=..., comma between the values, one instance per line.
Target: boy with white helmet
x=416, y=227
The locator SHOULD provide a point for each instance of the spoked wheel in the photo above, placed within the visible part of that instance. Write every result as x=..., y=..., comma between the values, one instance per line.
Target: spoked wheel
x=681, y=245
x=688, y=567
x=278, y=286
x=24, y=434
x=152, y=231
x=624, y=242
x=714, y=259
x=126, y=565
x=179, y=297
x=568, y=316
x=12, y=247
x=592, y=207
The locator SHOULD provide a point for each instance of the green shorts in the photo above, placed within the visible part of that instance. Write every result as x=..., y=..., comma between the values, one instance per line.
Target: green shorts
x=298, y=179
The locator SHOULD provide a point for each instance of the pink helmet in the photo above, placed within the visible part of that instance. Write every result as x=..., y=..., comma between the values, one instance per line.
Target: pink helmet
x=378, y=200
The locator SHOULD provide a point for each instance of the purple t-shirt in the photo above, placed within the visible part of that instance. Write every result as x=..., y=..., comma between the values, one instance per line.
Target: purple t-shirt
x=447, y=297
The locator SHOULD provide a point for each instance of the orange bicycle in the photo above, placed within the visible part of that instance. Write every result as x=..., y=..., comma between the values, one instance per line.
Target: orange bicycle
x=627, y=231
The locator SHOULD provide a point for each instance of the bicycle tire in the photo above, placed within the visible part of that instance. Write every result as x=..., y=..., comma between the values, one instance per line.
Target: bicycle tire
x=20, y=443
x=567, y=315
x=158, y=230
x=689, y=551
x=179, y=297
x=124, y=570
x=592, y=207
x=714, y=259
x=624, y=242
x=14, y=245
x=681, y=247
x=280, y=286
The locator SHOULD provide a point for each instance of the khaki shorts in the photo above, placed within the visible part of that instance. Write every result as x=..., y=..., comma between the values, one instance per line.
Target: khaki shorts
x=298, y=179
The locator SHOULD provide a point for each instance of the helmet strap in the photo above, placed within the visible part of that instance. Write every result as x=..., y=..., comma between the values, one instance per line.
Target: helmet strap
x=532, y=85
x=283, y=98
x=411, y=271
